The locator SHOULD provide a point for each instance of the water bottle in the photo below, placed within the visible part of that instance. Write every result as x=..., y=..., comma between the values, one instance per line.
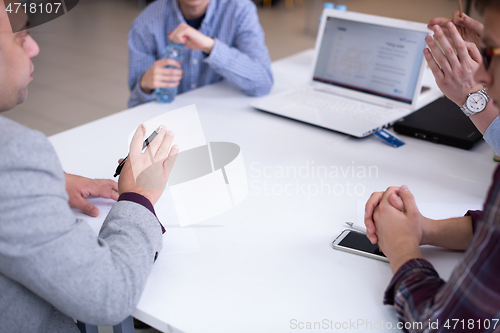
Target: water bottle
x=328, y=5
x=341, y=6
x=176, y=52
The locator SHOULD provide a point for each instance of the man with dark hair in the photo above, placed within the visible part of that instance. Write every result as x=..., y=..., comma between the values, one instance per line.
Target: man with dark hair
x=223, y=40
x=53, y=268
x=470, y=300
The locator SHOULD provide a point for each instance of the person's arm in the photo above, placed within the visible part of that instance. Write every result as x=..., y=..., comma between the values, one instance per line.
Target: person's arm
x=97, y=280
x=246, y=64
x=143, y=66
x=470, y=294
x=454, y=71
x=419, y=295
x=453, y=233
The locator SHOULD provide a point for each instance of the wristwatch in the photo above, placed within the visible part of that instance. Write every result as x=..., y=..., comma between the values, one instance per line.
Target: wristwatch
x=475, y=103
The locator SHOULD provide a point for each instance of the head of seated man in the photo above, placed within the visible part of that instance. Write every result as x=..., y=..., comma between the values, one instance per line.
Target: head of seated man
x=16, y=67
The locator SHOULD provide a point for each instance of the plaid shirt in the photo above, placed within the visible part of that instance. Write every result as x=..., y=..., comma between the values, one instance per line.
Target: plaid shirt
x=238, y=55
x=470, y=300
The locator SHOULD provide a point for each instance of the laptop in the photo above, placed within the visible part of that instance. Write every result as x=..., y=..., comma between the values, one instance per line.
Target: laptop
x=367, y=73
x=443, y=122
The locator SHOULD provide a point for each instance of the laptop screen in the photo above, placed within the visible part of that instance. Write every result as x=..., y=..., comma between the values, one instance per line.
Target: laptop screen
x=379, y=60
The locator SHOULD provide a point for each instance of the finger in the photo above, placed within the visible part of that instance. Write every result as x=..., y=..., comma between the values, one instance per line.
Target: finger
x=153, y=145
x=110, y=184
x=459, y=44
x=162, y=63
x=408, y=200
x=103, y=189
x=438, y=55
x=165, y=146
x=161, y=84
x=169, y=162
x=372, y=202
x=433, y=65
x=179, y=35
x=168, y=76
x=396, y=202
x=474, y=53
x=473, y=25
x=441, y=21
x=448, y=59
x=137, y=141
x=167, y=72
x=86, y=207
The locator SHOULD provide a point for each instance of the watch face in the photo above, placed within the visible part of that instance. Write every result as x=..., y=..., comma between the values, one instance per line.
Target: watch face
x=476, y=102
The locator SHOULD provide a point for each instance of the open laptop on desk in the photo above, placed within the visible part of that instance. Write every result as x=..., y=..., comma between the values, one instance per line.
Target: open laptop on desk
x=367, y=73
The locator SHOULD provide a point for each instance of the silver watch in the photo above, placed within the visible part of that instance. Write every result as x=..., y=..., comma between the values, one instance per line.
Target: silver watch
x=475, y=102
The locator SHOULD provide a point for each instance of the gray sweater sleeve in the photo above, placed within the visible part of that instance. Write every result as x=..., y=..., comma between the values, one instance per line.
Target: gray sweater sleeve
x=97, y=280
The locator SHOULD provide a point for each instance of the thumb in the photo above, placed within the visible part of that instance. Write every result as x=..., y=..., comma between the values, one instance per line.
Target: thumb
x=396, y=202
x=86, y=207
x=474, y=25
x=408, y=199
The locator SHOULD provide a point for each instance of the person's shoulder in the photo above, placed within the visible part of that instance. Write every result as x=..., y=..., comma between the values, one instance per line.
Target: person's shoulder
x=238, y=5
x=11, y=130
x=20, y=145
x=155, y=12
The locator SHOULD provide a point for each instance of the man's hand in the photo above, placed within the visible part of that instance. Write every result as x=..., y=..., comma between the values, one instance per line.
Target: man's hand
x=453, y=71
x=157, y=76
x=192, y=38
x=79, y=188
x=147, y=173
x=372, y=203
x=473, y=29
x=399, y=233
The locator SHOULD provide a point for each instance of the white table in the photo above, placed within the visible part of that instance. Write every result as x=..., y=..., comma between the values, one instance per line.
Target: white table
x=269, y=261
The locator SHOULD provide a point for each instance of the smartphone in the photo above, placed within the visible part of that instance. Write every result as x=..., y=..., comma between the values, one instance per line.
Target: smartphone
x=356, y=242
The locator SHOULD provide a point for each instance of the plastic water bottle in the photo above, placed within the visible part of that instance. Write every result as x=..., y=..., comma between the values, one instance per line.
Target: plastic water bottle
x=328, y=5
x=341, y=6
x=176, y=52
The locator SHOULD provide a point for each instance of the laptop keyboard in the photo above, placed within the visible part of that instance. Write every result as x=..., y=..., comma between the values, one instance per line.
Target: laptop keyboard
x=341, y=105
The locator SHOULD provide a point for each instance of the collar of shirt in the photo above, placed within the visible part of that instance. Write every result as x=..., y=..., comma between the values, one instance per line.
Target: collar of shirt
x=208, y=15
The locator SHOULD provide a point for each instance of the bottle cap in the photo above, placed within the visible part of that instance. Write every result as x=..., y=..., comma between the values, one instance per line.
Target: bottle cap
x=328, y=5
x=342, y=8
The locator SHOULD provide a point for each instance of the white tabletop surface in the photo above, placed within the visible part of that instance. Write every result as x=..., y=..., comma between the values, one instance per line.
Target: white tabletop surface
x=268, y=264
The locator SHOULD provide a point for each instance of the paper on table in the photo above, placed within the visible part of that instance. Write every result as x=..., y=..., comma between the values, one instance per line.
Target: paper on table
x=436, y=211
x=174, y=240
x=185, y=124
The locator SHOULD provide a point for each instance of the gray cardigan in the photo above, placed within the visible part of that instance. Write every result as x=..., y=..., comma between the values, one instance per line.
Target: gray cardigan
x=52, y=266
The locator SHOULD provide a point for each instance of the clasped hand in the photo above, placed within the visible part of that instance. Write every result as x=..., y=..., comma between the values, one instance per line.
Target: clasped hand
x=393, y=221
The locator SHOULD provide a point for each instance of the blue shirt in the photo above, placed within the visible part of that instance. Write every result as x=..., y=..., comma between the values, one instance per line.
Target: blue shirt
x=239, y=54
x=492, y=135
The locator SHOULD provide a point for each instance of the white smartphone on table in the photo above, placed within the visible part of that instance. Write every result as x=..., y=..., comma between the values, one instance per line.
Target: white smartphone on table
x=357, y=243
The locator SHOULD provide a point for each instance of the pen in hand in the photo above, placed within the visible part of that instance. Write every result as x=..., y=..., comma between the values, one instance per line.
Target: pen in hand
x=144, y=145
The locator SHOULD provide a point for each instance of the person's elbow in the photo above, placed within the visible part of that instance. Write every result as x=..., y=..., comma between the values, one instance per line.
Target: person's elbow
x=261, y=87
x=108, y=307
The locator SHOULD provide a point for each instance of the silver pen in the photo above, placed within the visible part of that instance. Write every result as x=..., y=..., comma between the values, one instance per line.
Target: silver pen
x=355, y=227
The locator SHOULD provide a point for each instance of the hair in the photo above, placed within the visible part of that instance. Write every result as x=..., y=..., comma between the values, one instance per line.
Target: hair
x=482, y=5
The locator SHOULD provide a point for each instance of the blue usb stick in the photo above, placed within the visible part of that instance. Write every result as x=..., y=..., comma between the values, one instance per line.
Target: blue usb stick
x=389, y=138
